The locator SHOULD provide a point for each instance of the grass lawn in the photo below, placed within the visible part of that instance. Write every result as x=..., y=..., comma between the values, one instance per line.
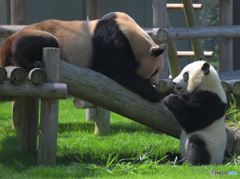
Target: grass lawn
x=131, y=150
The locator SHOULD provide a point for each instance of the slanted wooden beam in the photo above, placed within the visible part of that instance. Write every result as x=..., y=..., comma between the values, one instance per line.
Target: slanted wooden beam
x=94, y=87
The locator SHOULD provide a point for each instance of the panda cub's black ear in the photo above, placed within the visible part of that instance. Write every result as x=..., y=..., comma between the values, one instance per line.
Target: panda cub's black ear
x=156, y=51
x=206, y=68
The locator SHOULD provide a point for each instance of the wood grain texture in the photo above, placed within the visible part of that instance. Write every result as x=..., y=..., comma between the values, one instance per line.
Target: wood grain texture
x=49, y=111
x=27, y=89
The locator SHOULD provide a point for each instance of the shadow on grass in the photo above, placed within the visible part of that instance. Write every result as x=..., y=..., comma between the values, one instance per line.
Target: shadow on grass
x=115, y=128
x=10, y=157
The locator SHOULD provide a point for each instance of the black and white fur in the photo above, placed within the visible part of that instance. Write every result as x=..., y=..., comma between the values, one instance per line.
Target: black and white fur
x=114, y=45
x=199, y=108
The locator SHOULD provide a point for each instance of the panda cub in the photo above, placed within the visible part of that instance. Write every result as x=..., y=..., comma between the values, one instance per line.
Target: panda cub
x=199, y=108
x=114, y=45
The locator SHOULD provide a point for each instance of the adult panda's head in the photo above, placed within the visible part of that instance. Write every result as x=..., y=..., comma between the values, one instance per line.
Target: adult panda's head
x=199, y=75
x=147, y=54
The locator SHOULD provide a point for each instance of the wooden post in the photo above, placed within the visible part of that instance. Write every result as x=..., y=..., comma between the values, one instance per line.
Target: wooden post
x=49, y=111
x=160, y=20
x=90, y=114
x=93, y=12
x=192, y=22
x=225, y=48
x=98, y=114
x=29, y=124
x=93, y=9
x=18, y=14
x=102, y=121
x=236, y=41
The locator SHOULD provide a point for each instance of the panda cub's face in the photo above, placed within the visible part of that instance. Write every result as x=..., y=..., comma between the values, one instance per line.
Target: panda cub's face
x=199, y=74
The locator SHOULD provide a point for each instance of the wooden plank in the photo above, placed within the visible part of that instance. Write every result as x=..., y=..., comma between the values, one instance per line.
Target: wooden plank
x=160, y=20
x=49, y=111
x=179, y=6
x=225, y=48
x=27, y=89
x=94, y=87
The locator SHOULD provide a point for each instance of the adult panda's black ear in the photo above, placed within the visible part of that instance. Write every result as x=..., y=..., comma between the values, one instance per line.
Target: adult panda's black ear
x=206, y=68
x=156, y=51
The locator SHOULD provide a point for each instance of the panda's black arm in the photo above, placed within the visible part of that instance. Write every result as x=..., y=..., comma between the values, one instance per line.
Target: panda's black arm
x=195, y=114
x=138, y=85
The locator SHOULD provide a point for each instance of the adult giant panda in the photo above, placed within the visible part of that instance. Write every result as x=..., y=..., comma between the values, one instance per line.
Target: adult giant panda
x=199, y=108
x=114, y=46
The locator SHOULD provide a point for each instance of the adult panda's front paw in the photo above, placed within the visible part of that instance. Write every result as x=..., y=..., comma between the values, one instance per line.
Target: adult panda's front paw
x=171, y=100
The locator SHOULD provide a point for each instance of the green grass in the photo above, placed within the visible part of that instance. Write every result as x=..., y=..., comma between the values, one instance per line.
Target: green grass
x=131, y=150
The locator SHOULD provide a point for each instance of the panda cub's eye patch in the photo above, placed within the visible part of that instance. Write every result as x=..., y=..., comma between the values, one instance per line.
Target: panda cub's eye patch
x=185, y=76
x=154, y=73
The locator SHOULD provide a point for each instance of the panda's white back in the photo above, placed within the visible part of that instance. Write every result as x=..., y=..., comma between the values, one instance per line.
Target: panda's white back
x=215, y=138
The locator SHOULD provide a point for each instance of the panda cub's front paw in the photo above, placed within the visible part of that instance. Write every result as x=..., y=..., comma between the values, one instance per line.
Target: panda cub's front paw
x=171, y=100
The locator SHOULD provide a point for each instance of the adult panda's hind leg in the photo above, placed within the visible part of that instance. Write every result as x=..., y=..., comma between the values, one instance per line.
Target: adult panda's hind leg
x=27, y=49
x=197, y=153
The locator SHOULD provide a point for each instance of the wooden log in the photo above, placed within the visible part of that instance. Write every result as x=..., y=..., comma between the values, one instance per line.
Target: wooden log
x=191, y=54
x=102, y=121
x=236, y=88
x=7, y=30
x=27, y=89
x=49, y=111
x=16, y=74
x=179, y=6
x=29, y=124
x=225, y=48
x=3, y=74
x=160, y=20
x=192, y=22
x=94, y=87
x=164, y=34
x=81, y=104
x=228, y=90
x=37, y=76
